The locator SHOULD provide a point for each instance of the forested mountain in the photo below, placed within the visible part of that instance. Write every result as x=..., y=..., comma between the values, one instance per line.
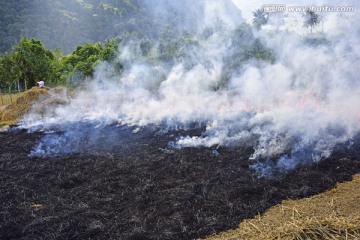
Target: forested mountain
x=67, y=23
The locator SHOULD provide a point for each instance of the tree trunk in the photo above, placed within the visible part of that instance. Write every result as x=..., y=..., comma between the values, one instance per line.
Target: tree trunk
x=2, y=100
x=10, y=94
x=18, y=85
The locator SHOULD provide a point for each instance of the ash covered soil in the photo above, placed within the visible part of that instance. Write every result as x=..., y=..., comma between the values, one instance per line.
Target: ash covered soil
x=142, y=189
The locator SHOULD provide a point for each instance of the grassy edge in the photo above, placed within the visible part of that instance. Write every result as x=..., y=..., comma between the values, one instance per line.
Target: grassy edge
x=8, y=123
x=334, y=214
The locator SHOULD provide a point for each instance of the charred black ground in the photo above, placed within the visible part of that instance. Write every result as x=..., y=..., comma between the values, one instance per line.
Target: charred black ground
x=141, y=189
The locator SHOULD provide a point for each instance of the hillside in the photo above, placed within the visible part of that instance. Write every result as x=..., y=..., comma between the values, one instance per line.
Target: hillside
x=66, y=24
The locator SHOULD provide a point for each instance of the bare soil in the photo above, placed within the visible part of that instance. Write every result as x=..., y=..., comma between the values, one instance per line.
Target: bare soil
x=141, y=189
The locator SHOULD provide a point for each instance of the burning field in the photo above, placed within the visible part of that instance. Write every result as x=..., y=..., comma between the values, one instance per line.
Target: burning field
x=190, y=142
x=97, y=179
x=142, y=189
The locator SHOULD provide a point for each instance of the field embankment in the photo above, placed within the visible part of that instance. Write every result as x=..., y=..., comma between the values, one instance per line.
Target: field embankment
x=334, y=214
x=34, y=99
x=19, y=105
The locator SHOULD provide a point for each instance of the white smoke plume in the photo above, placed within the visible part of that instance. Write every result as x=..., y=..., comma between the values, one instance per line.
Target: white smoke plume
x=293, y=109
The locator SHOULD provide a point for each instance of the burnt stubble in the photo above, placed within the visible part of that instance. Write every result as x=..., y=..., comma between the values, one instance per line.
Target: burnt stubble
x=142, y=189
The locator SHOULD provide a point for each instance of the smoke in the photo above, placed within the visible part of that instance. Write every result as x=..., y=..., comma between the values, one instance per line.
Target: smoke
x=292, y=96
x=89, y=138
x=191, y=16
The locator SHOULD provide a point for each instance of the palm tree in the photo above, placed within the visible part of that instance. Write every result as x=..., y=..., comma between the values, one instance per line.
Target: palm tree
x=311, y=19
x=260, y=18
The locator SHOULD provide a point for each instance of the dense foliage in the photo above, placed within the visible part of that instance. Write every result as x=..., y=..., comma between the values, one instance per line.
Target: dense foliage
x=66, y=24
x=31, y=62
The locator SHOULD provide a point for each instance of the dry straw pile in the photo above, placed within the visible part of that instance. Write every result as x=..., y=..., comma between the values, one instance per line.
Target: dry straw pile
x=12, y=112
x=334, y=214
x=36, y=99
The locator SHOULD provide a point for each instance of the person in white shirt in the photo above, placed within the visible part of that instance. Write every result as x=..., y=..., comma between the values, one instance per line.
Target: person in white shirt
x=41, y=84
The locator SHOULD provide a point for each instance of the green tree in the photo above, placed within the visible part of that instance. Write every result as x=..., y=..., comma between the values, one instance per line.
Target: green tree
x=59, y=77
x=311, y=19
x=109, y=52
x=260, y=18
x=75, y=67
x=258, y=51
x=34, y=61
x=9, y=72
x=89, y=54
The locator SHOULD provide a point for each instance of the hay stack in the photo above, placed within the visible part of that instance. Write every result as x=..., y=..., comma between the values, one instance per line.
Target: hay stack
x=15, y=110
x=38, y=100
